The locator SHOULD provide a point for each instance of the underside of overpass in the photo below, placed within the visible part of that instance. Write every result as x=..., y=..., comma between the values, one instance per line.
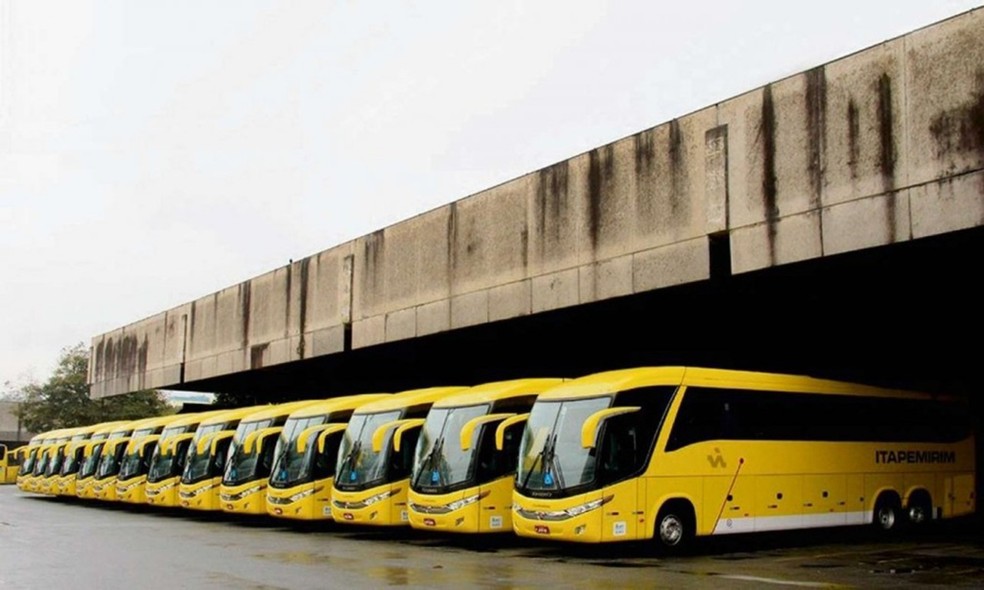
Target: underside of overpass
x=905, y=315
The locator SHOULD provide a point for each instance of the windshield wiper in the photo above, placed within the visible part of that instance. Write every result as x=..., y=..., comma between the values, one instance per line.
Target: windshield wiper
x=544, y=458
x=351, y=457
x=428, y=463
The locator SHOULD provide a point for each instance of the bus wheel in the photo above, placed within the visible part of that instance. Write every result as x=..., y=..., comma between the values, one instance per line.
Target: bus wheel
x=920, y=508
x=675, y=526
x=888, y=513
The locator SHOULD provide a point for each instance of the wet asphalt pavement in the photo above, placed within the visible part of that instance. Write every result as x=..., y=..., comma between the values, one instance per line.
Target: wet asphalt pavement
x=52, y=543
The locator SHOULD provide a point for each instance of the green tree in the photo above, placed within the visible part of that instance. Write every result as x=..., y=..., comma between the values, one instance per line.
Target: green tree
x=63, y=400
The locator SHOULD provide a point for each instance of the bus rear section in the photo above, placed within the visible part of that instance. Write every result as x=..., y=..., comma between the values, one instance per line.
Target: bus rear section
x=244, y=482
x=304, y=459
x=376, y=455
x=673, y=453
x=465, y=460
x=10, y=461
x=206, y=458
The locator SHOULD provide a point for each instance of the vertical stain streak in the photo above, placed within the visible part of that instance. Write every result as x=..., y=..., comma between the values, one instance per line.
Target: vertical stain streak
x=768, y=131
x=886, y=152
x=853, y=137
x=372, y=261
x=677, y=167
x=452, y=239
x=600, y=167
x=551, y=208
x=287, y=298
x=245, y=306
x=191, y=330
x=98, y=375
x=645, y=162
x=302, y=311
x=816, y=117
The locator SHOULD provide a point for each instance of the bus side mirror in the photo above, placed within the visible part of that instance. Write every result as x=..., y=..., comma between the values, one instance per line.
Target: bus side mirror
x=468, y=428
x=589, y=430
x=500, y=431
x=257, y=436
x=216, y=439
x=380, y=433
x=328, y=431
x=406, y=427
x=172, y=443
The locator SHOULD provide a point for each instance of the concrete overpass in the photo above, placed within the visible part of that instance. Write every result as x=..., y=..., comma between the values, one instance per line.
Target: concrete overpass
x=837, y=215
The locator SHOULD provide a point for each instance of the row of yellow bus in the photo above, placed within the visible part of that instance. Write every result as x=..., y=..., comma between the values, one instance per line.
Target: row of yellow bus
x=665, y=453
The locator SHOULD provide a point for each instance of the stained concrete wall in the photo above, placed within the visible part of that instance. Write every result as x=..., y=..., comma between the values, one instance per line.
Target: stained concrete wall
x=11, y=432
x=882, y=146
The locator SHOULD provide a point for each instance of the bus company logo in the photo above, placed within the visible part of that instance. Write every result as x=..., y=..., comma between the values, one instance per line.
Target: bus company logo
x=906, y=456
x=717, y=460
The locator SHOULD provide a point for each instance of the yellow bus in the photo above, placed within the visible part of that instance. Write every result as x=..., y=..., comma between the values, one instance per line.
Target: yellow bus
x=131, y=481
x=244, y=482
x=51, y=481
x=375, y=457
x=676, y=452
x=46, y=455
x=85, y=479
x=206, y=459
x=116, y=450
x=30, y=459
x=465, y=460
x=66, y=482
x=10, y=461
x=168, y=460
x=300, y=483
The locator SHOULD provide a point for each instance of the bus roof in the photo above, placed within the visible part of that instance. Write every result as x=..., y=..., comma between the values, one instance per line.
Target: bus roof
x=231, y=414
x=194, y=419
x=283, y=409
x=408, y=398
x=613, y=381
x=348, y=402
x=498, y=390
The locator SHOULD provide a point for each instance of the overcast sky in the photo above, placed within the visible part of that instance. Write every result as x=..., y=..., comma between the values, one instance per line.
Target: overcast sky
x=152, y=152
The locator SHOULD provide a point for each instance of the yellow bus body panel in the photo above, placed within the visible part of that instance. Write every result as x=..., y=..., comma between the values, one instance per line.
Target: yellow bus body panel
x=315, y=505
x=390, y=510
x=491, y=513
x=203, y=495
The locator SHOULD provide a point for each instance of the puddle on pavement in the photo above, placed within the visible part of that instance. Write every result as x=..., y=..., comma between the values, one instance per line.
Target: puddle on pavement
x=295, y=557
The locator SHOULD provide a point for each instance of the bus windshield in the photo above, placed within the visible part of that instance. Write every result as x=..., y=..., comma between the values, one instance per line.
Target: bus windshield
x=28, y=465
x=55, y=465
x=440, y=463
x=242, y=465
x=109, y=465
x=132, y=465
x=42, y=463
x=197, y=464
x=359, y=465
x=91, y=462
x=551, y=457
x=290, y=467
x=71, y=464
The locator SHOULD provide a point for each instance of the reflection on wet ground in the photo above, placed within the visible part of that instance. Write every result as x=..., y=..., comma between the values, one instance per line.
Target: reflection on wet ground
x=75, y=544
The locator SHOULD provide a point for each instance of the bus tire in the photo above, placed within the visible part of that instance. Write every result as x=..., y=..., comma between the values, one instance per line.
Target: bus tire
x=675, y=526
x=888, y=513
x=920, y=508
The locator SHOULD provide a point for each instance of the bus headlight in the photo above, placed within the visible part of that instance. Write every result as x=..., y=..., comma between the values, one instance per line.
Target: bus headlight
x=240, y=495
x=588, y=506
x=304, y=494
x=196, y=492
x=459, y=504
x=378, y=497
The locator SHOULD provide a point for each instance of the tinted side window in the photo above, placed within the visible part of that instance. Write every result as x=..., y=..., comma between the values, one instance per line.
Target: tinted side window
x=725, y=414
x=402, y=462
x=627, y=440
x=324, y=463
